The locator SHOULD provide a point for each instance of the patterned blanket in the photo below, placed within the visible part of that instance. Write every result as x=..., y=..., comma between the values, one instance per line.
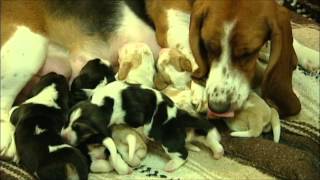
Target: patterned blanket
x=295, y=157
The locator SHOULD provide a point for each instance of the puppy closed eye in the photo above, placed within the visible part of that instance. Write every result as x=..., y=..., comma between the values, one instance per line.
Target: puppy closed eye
x=83, y=129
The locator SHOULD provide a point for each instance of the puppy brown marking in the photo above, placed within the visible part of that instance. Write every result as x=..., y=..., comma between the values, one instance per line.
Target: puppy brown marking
x=179, y=61
x=128, y=64
x=124, y=70
x=161, y=81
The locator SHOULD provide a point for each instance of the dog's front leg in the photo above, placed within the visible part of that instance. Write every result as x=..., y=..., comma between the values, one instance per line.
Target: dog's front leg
x=178, y=34
x=21, y=58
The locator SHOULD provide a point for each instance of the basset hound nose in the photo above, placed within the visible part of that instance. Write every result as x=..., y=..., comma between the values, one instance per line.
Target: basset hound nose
x=219, y=107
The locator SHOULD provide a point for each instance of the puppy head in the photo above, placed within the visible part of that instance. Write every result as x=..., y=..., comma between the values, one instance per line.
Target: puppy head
x=87, y=120
x=80, y=126
x=55, y=86
x=225, y=39
x=94, y=73
x=173, y=68
x=136, y=63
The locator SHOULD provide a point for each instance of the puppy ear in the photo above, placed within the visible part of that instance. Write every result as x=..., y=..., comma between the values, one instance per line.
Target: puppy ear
x=198, y=15
x=124, y=70
x=159, y=82
x=15, y=115
x=277, y=80
x=185, y=64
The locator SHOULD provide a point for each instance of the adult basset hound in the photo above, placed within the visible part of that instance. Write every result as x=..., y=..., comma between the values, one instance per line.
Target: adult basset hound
x=225, y=38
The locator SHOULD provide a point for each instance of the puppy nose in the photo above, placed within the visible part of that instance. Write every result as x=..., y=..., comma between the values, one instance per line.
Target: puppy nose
x=219, y=107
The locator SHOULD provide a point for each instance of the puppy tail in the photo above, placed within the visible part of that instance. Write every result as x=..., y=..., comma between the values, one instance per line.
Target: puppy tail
x=276, y=125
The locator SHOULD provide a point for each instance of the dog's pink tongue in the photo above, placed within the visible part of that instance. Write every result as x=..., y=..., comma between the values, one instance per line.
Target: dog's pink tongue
x=228, y=114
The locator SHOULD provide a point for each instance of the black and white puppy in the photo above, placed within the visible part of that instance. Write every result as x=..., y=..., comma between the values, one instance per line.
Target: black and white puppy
x=94, y=73
x=38, y=122
x=138, y=106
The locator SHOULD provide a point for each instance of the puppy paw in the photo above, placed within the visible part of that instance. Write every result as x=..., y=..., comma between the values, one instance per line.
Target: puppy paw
x=218, y=152
x=192, y=147
x=173, y=164
x=100, y=166
x=198, y=100
x=213, y=142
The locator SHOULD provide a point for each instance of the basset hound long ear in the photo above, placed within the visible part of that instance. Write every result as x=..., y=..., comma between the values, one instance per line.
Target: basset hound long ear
x=198, y=15
x=124, y=70
x=277, y=80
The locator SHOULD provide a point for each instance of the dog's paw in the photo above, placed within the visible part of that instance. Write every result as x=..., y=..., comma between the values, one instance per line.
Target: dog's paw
x=198, y=99
x=173, y=164
x=213, y=142
x=192, y=147
x=7, y=144
x=100, y=166
x=218, y=151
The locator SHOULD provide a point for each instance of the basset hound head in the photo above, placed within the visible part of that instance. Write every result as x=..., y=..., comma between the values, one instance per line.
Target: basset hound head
x=225, y=38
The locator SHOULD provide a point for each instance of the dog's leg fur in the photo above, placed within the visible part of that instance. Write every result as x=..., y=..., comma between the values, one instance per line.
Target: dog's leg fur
x=178, y=34
x=21, y=58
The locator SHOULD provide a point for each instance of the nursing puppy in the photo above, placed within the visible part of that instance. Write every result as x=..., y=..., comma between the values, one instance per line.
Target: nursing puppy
x=95, y=72
x=173, y=78
x=136, y=64
x=93, y=75
x=38, y=122
x=138, y=106
x=255, y=117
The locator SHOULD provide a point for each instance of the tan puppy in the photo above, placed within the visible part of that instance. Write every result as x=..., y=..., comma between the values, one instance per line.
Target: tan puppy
x=136, y=64
x=255, y=117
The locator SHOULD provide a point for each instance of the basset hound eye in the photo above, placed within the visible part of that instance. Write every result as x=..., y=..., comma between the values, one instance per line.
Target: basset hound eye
x=245, y=55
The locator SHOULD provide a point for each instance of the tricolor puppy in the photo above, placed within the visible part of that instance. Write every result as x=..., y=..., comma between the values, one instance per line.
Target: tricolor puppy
x=136, y=64
x=138, y=106
x=39, y=121
x=255, y=117
x=95, y=72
